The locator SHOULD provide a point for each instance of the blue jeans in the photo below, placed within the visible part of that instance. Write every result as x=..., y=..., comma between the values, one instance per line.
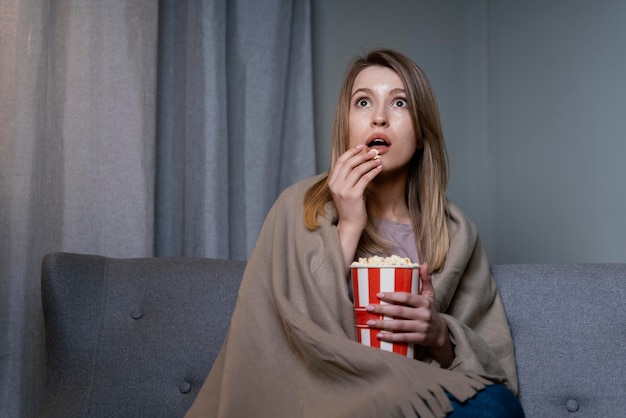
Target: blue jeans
x=492, y=402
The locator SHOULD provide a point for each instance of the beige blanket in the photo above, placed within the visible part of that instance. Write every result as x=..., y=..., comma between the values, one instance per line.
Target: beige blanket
x=291, y=350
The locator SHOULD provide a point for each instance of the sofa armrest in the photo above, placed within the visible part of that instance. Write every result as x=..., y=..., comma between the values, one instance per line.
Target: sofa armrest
x=568, y=323
x=132, y=337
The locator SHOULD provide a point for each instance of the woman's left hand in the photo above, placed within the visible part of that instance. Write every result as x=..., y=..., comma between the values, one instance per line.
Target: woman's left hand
x=416, y=320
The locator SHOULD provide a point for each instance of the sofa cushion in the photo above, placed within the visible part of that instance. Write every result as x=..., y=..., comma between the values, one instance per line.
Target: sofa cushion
x=137, y=337
x=569, y=329
x=132, y=337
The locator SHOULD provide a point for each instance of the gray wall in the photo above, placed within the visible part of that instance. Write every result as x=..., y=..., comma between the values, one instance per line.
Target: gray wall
x=533, y=103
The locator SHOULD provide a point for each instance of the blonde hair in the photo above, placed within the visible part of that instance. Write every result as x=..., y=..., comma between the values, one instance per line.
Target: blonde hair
x=427, y=176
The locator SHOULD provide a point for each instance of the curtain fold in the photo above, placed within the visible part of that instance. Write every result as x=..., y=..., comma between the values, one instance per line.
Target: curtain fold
x=137, y=129
x=76, y=148
x=235, y=120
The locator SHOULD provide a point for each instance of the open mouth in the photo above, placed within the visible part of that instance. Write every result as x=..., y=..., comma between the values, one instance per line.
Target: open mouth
x=377, y=142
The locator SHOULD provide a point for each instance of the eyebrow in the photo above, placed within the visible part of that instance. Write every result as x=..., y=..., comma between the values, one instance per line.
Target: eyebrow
x=369, y=91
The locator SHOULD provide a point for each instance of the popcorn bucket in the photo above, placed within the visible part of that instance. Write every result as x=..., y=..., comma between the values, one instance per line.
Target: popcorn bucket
x=367, y=282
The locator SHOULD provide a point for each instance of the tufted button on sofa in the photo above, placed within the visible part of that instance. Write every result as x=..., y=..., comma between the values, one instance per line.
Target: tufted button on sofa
x=136, y=337
x=572, y=405
x=569, y=328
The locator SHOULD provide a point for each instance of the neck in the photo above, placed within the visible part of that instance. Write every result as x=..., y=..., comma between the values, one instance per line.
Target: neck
x=387, y=198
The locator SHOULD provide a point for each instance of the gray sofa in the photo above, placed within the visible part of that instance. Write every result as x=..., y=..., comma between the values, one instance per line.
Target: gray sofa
x=136, y=337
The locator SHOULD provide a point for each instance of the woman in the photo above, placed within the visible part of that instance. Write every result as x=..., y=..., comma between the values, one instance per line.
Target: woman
x=290, y=350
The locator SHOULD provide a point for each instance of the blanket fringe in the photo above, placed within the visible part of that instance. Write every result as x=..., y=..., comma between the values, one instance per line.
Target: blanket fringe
x=435, y=403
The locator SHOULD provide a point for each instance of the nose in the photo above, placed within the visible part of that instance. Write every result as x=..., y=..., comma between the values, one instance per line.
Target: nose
x=379, y=119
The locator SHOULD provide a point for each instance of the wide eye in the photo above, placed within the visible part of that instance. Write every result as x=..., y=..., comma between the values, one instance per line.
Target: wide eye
x=362, y=102
x=400, y=103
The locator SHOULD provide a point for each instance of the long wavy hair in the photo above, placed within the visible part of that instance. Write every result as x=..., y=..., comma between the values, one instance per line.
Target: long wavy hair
x=427, y=176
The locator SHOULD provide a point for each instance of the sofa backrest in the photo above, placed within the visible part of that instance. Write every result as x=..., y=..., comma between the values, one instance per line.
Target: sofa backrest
x=137, y=337
x=569, y=328
x=132, y=337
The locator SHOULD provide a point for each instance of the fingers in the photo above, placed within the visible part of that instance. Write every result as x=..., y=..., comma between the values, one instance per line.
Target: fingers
x=350, y=175
x=403, y=305
x=409, y=318
x=403, y=337
x=354, y=169
x=395, y=330
x=403, y=298
x=415, y=331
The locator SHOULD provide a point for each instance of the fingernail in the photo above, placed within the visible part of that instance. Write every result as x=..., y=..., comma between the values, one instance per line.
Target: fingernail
x=380, y=295
x=360, y=146
x=369, y=308
x=371, y=322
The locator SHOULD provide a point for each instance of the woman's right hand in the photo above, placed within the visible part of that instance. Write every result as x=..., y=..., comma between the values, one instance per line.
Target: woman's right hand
x=351, y=174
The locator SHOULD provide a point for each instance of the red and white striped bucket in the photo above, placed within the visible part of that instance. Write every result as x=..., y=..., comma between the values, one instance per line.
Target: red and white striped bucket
x=367, y=282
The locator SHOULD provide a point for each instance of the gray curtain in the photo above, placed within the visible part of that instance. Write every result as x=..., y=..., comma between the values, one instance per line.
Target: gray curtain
x=139, y=128
x=244, y=68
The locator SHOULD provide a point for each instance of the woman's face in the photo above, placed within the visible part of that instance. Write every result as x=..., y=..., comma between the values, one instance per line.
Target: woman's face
x=379, y=117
